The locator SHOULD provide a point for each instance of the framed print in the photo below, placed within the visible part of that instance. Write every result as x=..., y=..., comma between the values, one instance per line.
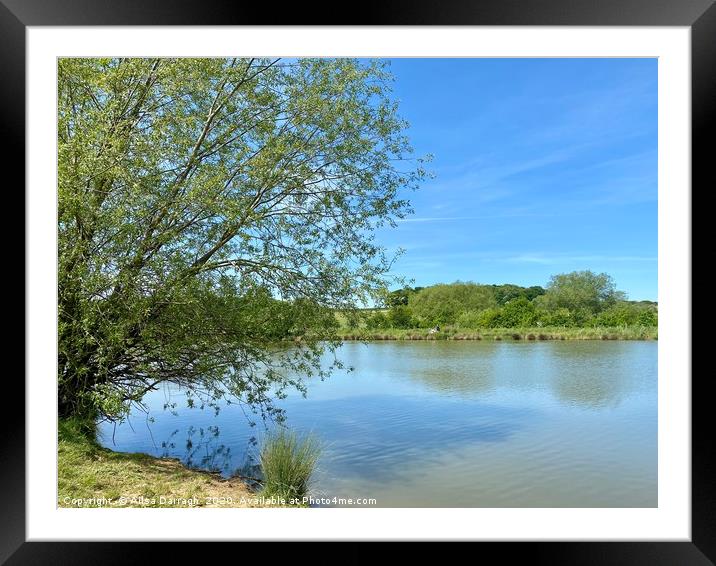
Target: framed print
x=403, y=275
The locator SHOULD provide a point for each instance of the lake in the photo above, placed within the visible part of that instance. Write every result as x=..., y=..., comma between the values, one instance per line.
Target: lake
x=450, y=424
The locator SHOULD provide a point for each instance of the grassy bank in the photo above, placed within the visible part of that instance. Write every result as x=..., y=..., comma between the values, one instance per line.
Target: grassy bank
x=529, y=334
x=92, y=476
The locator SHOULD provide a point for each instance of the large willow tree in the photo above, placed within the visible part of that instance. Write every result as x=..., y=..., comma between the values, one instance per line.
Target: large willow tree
x=204, y=204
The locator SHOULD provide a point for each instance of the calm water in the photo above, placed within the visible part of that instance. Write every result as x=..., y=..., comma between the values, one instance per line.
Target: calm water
x=452, y=424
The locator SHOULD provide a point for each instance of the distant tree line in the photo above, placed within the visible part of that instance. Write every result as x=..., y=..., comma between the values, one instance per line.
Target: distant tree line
x=577, y=299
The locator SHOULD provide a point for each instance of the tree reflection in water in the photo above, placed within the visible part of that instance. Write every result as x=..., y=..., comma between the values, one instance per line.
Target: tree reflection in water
x=203, y=449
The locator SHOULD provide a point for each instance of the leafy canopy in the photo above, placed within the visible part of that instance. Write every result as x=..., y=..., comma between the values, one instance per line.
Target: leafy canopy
x=209, y=205
x=444, y=303
x=581, y=291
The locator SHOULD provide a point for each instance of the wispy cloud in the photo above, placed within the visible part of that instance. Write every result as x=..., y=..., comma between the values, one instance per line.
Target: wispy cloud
x=422, y=264
x=480, y=217
x=543, y=258
x=552, y=259
x=479, y=176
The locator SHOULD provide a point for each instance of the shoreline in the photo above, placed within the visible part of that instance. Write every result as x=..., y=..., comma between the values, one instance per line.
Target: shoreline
x=90, y=475
x=502, y=334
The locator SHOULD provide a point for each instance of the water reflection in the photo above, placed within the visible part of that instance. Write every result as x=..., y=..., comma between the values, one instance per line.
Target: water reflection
x=201, y=449
x=499, y=424
x=575, y=373
x=599, y=391
x=378, y=436
x=461, y=377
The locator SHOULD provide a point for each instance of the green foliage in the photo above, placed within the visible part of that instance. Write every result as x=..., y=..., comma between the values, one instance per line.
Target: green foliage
x=648, y=317
x=352, y=319
x=558, y=317
x=400, y=297
x=287, y=464
x=572, y=300
x=210, y=206
x=490, y=318
x=473, y=319
x=627, y=314
x=518, y=312
x=376, y=320
x=533, y=292
x=75, y=429
x=443, y=304
x=400, y=317
x=397, y=317
x=581, y=291
x=506, y=293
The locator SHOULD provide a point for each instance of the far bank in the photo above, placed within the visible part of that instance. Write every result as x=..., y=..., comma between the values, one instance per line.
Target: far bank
x=498, y=334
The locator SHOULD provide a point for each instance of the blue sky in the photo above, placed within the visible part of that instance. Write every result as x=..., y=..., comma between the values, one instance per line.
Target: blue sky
x=542, y=166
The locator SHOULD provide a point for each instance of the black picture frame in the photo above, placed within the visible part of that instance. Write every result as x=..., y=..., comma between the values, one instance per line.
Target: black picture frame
x=699, y=15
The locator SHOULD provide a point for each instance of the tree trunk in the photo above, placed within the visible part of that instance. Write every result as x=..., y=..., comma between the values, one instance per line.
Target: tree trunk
x=69, y=398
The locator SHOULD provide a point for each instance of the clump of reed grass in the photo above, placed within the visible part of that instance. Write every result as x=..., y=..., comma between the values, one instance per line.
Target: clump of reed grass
x=287, y=464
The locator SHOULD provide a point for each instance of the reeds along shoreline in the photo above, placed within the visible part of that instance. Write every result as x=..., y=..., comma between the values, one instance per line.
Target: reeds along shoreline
x=505, y=334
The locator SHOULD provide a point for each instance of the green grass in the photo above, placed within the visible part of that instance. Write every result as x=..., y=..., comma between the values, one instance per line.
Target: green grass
x=529, y=334
x=88, y=472
x=287, y=464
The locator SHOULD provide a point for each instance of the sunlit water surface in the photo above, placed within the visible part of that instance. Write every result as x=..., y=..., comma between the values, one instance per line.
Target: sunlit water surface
x=450, y=424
